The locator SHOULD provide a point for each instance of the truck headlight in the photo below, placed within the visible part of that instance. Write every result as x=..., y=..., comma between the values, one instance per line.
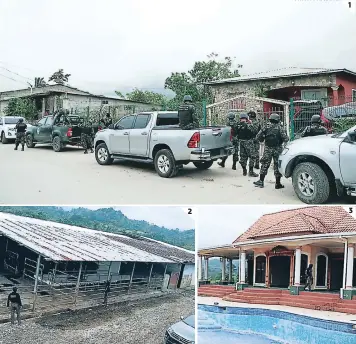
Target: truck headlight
x=285, y=151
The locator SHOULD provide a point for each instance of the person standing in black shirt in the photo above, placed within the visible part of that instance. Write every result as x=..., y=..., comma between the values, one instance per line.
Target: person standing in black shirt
x=20, y=134
x=15, y=304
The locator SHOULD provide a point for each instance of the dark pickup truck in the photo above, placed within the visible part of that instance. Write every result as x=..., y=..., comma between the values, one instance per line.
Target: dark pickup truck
x=57, y=130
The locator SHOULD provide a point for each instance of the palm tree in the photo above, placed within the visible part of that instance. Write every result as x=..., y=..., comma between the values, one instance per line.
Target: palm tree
x=40, y=82
x=59, y=77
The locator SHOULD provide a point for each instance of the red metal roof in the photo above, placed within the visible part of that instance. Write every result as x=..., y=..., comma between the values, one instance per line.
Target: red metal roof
x=308, y=220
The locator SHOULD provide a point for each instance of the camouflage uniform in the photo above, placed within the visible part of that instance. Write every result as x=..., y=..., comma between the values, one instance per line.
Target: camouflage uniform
x=257, y=127
x=20, y=134
x=246, y=133
x=87, y=138
x=274, y=135
x=235, y=142
x=187, y=116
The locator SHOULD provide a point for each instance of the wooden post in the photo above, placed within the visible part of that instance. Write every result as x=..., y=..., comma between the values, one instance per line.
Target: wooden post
x=78, y=283
x=149, y=278
x=133, y=270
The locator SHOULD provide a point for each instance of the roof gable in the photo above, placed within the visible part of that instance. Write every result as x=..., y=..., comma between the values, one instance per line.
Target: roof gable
x=312, y=220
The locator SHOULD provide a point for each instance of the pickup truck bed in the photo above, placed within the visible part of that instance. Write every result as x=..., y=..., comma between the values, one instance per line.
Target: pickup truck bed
x=139, y=137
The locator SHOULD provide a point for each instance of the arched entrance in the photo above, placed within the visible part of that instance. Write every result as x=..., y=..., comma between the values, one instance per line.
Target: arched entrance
x=321, y=270
x=280, y=267
x=260, y=270
x=303, y=267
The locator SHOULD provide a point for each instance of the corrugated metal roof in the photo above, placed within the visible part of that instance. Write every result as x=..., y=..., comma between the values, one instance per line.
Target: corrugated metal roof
x=282, y=73
x=60, y=242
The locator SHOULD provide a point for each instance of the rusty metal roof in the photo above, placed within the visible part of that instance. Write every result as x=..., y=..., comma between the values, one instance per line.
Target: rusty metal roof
x=282, y=73
x=61, y=242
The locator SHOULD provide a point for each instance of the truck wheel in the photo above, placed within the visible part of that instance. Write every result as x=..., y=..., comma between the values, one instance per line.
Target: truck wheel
x=4, y=140
x=102, y=155
x=165, y=164
x=29, y=141
x=310, y=183
x=57, y=144
x=203, y=165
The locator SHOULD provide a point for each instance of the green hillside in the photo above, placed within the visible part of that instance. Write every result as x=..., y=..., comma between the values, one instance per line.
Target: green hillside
x=107, y=220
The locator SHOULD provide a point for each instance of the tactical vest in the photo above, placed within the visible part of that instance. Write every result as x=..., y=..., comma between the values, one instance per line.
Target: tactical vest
x=244, y=132
x=273, y=136
x=21, y=127
x=316, y=130
x=185, y=114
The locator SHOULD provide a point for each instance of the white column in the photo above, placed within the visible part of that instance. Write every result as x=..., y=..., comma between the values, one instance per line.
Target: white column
x=243, y=267
x=206, y=267
x=230, y=270
x=297, y=266
x=345, y=266
x=350, y=266
x=200, y=268
x=223, y=268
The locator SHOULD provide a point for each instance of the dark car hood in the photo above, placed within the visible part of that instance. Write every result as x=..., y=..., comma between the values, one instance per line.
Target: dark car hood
x=184, y=330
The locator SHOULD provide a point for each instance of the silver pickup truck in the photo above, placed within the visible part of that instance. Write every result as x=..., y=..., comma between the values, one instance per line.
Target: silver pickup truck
x=155, y=137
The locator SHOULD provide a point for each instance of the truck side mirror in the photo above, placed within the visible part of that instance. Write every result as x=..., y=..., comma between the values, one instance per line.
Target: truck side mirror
x=111, y=126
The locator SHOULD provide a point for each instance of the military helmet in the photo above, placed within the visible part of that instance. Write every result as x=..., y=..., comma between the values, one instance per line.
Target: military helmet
x=231, y=116
x=274, y=118
x=316, y=119
x=252, y=114
x=14, y=289
x=244, y=115
x=20, y=120
x=61, y=112
x=187, y=98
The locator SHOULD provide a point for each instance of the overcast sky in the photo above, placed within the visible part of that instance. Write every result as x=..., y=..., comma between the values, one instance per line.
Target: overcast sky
x=221, y=225
x=117, y=44
x=167, y=216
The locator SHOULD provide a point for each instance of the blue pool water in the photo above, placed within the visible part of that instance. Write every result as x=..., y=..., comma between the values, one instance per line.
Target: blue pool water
x=234, y=325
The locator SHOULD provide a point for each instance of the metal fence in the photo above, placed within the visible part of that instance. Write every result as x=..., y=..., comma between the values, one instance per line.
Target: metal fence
x=337, y=113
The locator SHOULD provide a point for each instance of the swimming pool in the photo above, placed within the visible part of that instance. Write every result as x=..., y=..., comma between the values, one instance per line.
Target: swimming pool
x=234, y=325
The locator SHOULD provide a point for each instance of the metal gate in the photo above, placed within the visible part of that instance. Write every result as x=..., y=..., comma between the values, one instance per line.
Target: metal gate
x=217, y=112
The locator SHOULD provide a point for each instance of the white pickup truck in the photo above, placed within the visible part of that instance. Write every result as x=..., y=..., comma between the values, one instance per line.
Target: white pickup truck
x=321, y=166
x=7, y=128
x=155, y=137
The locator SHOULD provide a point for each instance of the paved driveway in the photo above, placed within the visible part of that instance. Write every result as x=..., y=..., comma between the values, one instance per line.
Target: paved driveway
x=41, y=176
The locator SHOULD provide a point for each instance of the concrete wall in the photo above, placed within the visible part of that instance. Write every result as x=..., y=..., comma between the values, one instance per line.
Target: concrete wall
x=227, y=91
x=188, y=279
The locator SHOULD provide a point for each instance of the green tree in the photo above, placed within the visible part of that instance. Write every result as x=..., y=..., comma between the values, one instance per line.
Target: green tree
x=150, y=97
x=119, y=94
x=59, y=77
x=21, y=107
x=40, y=82
x=192, y=82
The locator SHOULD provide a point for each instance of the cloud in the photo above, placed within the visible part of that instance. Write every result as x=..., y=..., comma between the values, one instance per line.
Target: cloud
x=108, y=44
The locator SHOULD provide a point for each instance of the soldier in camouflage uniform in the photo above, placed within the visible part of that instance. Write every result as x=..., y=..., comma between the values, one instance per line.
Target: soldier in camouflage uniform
x=87, y=138
x=273, y=135
x=246, y=134
x=107, y=120
x=255, y=122
x=20, y=134
x=235, y=142
x=315, y=128
x=186, y=113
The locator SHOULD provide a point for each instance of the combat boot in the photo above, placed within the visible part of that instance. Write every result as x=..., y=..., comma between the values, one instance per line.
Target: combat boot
x=221, y=163
x=257, y=166
x=86, y=151
x=259, y=183
x=23, y=148
x=251, y=173
x=278, y=184
x=15, y=148
x=91, y=150
x=244, y=171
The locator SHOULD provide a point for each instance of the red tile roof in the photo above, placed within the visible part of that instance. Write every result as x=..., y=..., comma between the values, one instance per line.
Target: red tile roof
x=312, y=220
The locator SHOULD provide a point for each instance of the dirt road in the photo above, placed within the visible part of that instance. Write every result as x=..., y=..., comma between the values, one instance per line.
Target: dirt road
x=41, y=176
x=143, y=322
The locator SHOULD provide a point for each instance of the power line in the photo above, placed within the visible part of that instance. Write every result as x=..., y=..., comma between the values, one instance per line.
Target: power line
x=7, y=77
x=8, y=70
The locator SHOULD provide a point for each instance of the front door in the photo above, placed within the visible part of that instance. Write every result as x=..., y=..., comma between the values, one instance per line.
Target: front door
x=46, y=130
x=336, y=271
x=348, y=162
x=279, y=267
x=260, y=273
x=37, y=135
x=139, y=135
x=119, y=137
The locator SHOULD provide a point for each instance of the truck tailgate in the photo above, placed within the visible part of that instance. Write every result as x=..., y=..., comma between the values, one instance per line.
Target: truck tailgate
x=215, y=137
